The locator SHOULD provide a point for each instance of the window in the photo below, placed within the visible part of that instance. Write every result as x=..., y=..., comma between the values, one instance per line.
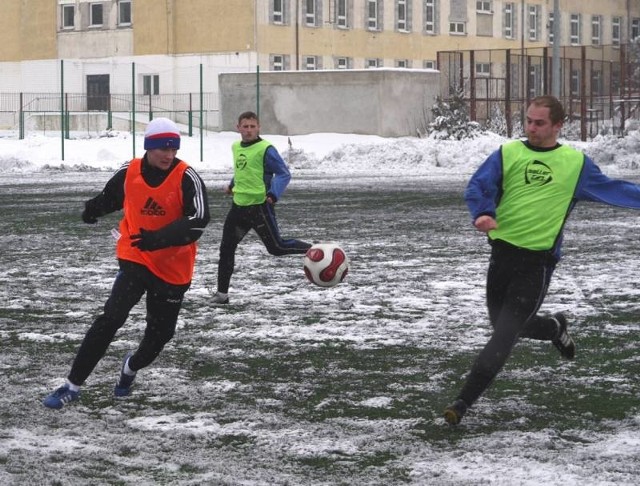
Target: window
x=342, y=18
x=124, y=12
x=551, y=33
x=509, y=21
x=457, y=28
x=575, y=30
x=372, y=63
x=429, y=64
x=535, y=80
x=533, y=21
x=402, y=63
x=311, y=63
x=458, y=17
x=483, y=69
x=278, y=62
x=68, y=16
x=616, y=29
x=596, y=83
x=635, y=28
x=430, y=17
x=483, y=7
x=596, y=22
x=372, y=15
x=151, y=84
x=575, y=82
x=402, y=16
x=343, y=63
x=516, y=76
x=484, y=19
x=615, y=78
x=96, y=14
x=277, y=15
x=310, y=13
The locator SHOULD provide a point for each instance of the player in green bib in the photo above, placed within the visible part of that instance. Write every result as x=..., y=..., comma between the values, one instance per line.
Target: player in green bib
x=521, y=197
x=260, y=177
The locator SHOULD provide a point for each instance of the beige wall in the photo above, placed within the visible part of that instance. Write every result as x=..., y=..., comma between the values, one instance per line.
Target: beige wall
x=153, y=29
x=27, y=30
x=38, y=30
x=192, y=26
x=10, y=32
x=215, y=26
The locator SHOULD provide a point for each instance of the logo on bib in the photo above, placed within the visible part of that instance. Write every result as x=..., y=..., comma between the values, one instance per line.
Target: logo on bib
x=538, y=173
x=241, y=162
x=152, y=208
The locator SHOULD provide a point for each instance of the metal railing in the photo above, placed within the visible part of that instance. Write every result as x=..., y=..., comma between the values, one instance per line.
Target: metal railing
x=46, y=111
x=597, y=83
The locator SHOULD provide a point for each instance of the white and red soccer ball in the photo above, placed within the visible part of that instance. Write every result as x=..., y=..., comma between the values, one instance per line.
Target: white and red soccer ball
x=326, y=264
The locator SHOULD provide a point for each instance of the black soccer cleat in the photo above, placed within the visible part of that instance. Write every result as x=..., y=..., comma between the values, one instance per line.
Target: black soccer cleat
x=563, y=340
x=453, y=413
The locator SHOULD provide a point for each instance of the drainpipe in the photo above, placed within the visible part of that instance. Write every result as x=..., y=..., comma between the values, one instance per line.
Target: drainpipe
x=555, y=60
x=297, y=35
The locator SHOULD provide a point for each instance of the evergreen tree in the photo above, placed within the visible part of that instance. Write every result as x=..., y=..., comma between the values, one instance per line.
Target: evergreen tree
x=451, y=119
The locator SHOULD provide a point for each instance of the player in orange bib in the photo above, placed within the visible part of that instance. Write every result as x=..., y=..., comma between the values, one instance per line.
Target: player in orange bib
x=165, y=211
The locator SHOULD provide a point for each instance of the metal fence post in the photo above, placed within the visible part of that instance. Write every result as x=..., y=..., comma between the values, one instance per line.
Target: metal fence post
x=583, y=94
x=21, y=119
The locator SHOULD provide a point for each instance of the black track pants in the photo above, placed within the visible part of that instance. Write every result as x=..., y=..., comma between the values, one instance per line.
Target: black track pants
x=517, y=283
x=240, y=220
x=163, y=305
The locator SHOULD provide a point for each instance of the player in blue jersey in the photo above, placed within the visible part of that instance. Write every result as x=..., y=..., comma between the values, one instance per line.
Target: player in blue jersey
x=521, y=197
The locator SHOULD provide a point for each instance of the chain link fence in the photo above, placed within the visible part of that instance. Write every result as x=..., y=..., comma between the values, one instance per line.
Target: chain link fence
x=598, y=85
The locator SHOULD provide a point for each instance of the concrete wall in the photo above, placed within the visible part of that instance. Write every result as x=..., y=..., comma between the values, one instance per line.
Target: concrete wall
x=385, y=102
x=93, y=122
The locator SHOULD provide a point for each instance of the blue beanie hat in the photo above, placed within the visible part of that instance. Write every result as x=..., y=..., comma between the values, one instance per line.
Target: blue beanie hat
x=161, y=133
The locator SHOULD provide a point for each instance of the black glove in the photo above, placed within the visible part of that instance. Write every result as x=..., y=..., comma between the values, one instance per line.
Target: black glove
x=146, y=240
x=88, y=218
x=90, y=215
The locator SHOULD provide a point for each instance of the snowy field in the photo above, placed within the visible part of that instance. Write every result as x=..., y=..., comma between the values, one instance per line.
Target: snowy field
x=296, y=385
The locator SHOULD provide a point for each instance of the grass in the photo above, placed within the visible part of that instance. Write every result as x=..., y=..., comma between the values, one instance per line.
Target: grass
x=292, y=384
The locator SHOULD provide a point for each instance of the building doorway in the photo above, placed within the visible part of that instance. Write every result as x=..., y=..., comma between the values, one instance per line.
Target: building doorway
x=98, y=93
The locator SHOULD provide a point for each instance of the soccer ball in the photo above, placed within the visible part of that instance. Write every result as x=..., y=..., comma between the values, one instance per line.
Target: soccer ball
x=326, y=264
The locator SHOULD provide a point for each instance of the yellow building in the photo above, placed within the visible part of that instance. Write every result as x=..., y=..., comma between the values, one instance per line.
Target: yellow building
x=169, y=46
x=303, y=34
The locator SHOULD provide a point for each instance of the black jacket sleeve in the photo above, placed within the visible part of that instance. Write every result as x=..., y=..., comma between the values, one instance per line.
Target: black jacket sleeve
x=110, y=199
